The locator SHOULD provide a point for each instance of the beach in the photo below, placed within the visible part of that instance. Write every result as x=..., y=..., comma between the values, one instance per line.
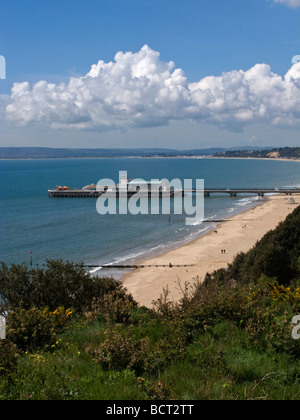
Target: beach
x=207, y=253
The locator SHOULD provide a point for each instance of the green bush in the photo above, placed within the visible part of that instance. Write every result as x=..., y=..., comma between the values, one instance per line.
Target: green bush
x=115, y=307
x=171, y=317
x=31, y=330
x=215, y=302
x=8, y=357
x=60, y=284
x=119, y=352
x=268, y=331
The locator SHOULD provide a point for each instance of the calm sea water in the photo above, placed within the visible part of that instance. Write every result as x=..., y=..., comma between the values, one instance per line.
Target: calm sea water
x=72, y=229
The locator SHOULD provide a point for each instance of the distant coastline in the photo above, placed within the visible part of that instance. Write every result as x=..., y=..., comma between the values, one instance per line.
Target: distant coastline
x=223, y=158
x=248, y=152
x=154, y=157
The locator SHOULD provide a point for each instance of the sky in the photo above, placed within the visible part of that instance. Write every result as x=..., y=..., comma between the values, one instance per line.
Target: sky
x=148, y=73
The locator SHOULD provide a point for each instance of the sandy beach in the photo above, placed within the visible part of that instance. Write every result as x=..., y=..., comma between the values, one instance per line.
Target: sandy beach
x=204, y=255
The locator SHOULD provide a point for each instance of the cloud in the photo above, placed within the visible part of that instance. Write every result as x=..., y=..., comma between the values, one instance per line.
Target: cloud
x=140, y=90
x=4, y=101
x=290, y=3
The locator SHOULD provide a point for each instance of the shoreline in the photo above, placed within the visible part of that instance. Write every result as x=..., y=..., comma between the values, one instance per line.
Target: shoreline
x=152, y=157
x=203, y=254
x=221, y=158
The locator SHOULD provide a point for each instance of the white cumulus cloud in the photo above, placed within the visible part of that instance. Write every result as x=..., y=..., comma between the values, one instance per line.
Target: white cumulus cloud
x=290, y=3
x=140, y=90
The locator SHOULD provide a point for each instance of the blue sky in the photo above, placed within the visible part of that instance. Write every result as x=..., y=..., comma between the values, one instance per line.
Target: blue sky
x=58, y=39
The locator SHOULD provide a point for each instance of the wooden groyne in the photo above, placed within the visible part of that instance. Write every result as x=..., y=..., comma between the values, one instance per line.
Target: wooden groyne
x=130, y=267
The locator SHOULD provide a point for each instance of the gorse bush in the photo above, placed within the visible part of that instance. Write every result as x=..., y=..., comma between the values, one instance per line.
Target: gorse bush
x=60, y=316
x=31, y=330
x=114, y=307
x=124, y=351
x=36, y=329
x=270, y=331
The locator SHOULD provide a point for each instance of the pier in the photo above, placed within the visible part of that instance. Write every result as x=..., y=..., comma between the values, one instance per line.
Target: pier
x=117, y=193
x=232, y=192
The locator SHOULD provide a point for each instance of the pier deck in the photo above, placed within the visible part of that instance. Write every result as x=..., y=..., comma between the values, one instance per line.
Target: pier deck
x=233, y=192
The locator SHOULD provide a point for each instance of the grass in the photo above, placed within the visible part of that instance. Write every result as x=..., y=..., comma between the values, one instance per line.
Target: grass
x=219, y=365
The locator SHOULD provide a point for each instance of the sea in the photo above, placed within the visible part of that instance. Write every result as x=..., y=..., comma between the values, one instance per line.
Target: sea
x=35, y=228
